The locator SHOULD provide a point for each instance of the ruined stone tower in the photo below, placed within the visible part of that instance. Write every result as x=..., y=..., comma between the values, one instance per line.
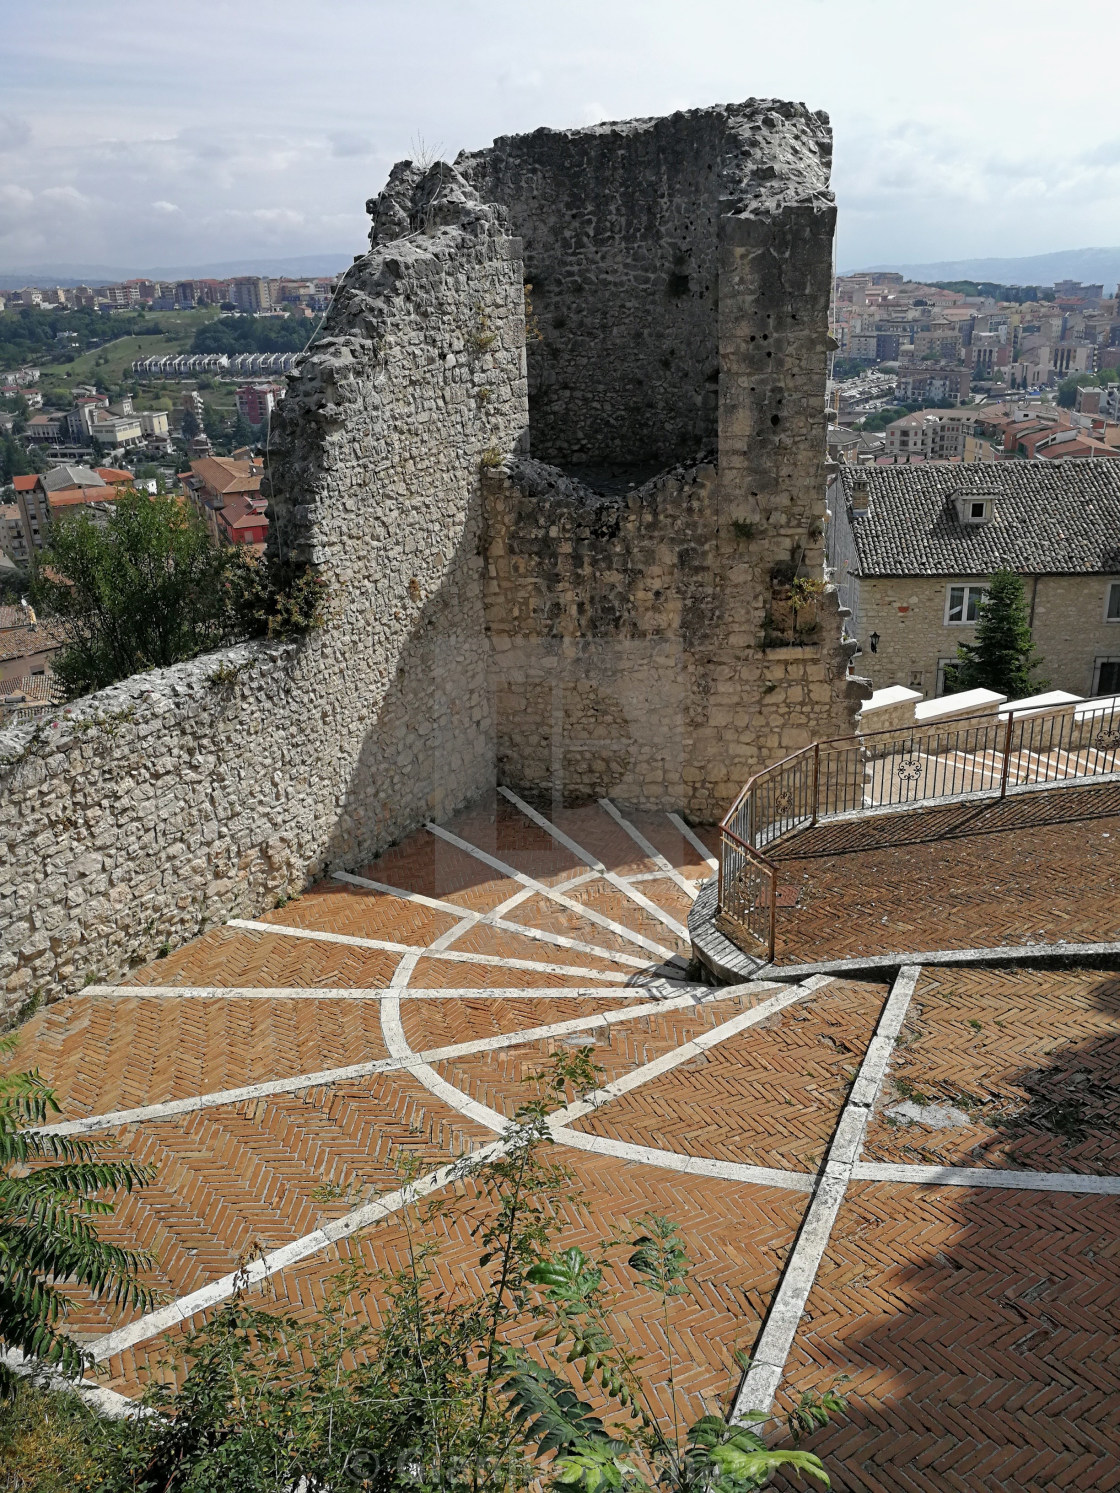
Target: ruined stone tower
x=572, y=536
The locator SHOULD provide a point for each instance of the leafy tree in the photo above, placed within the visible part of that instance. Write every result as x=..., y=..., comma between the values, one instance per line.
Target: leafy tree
x=1067, y=389
x=253, y=334
x=15, y=460
x=242, y=433
x=1003, y=657
x=485, y=1392
x=51, y=1187
x=141, y=590
x=190, y=426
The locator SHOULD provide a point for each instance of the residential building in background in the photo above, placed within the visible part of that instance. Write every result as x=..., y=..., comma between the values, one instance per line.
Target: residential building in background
x=227, y=494
x=912, y=549
x=257, y=401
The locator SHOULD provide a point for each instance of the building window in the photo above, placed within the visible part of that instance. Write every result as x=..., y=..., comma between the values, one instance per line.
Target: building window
x=1112, y=606
x=942, y=682
x=1106, y=676
x=963, y=603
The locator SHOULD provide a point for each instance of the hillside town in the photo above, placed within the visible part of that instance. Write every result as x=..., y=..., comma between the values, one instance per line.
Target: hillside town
x=560, y=916
x=922, y=376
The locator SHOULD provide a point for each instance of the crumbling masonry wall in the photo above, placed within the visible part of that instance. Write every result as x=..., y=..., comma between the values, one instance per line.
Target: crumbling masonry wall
x=184, y=796
x=606, y=623
x=681, y=272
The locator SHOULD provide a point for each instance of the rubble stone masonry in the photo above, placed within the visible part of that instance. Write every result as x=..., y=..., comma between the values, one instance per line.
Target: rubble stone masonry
x=607, y=625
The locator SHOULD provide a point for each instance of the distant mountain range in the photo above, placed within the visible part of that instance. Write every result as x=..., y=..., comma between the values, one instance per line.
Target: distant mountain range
x=1090, y=266
x=297, y=265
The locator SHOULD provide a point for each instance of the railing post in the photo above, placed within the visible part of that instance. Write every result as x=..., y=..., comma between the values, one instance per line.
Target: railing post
x=719, y=873
x=816, y=780
x=1006, y=755
x=773, y=914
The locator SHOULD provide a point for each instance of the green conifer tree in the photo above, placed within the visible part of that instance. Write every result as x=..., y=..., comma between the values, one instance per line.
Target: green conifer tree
x=1003, y=657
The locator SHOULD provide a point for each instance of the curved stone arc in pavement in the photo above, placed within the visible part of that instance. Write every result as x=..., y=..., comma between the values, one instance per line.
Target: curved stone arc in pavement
x=405, y=1058
x=153, y=1323
x=826, y=1187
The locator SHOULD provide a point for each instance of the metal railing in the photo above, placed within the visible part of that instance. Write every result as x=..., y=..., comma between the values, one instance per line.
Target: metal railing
x=907, y=767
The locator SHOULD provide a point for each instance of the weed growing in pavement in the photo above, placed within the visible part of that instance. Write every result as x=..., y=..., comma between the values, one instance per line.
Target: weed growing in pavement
x=517, y=1380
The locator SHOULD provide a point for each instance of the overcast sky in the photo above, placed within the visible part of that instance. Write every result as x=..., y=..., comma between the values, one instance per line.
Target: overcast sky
x=139, y=134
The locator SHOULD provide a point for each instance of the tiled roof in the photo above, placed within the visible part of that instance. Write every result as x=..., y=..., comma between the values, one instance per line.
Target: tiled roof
x=59, y=478
x=224, y=476
x=25, y=484
x=1049, y=518
x=26, y=642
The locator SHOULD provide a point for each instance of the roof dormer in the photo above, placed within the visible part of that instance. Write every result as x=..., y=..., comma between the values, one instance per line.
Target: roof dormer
x=973, y=508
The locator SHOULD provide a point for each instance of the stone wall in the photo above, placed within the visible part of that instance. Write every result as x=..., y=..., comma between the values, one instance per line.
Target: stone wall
x=489, y=615
x=626, y=636
x=1069, y=630
x=622, y=226
x=638, y=652
x=184, y=796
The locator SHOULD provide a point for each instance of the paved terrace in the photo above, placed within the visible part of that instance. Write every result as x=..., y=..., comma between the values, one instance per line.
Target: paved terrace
x=915, y=1184
x=1039, y=867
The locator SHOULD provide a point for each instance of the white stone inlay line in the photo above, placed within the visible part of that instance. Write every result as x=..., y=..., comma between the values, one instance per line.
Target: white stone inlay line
x=761, y=1381
x=697, y=844
x=651, y=850
x=491, y=920
x=154, y=1323
x=693, y=1166
x=786, y=996
x=431, y=952
x=982, y=1176
x=596, y=865
x=348, y=993
x=399, y=1058
x=529, y=882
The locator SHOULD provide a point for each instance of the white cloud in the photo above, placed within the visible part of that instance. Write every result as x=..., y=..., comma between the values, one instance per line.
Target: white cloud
x=947, y=144
x=66, y=197
x=166, y=207
x=348, y=143
x=15, y=133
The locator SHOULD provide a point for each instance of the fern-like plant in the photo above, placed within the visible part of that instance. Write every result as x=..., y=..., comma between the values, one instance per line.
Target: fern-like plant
x=51, y=1188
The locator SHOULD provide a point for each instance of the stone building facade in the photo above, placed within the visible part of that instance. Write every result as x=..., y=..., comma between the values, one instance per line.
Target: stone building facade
x=612, y=622
x=912, y=573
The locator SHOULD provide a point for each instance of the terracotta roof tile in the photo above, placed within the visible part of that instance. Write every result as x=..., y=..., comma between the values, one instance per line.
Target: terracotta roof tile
x=1050, y=518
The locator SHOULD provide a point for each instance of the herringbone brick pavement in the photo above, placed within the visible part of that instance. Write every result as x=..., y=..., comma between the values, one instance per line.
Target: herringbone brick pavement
x=441, y=1023
x=437, y=974
x=269, y=1171
x=498, y=1079
x=1032, y=1057
x=977, y=1324
x=737, y=1238
x=979, y=1329
x=235, y=956
x=359, y=912
x=770, y=1097
x=108, y=1053
x=1039, y=868
x=541, y=912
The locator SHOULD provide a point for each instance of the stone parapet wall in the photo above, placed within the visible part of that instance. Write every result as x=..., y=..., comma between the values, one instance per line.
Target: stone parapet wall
x=181, y=797
x=490, y=616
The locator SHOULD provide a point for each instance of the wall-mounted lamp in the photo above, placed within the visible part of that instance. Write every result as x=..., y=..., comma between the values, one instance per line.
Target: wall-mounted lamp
x=874, y=641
